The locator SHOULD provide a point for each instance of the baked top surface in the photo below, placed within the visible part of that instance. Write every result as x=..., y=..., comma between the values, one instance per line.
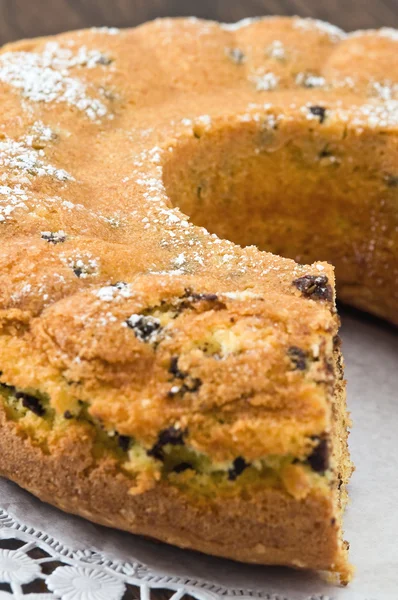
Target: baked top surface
x=91, y=242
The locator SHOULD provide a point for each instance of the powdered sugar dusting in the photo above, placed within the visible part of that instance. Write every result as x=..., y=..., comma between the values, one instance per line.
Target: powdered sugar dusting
x=106, y=30
x=114, y=293
x=384, y=32
x=45, y=77
x=310, y=81
x=334, y=33
x=276, y=50
x=374, y=116
x=11, y=199
x=265, y=82
x=83, y=264
x=239, y=24
x=19, y=157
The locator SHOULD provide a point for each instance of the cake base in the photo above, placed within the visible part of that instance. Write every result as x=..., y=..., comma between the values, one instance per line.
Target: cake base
x=261, y=526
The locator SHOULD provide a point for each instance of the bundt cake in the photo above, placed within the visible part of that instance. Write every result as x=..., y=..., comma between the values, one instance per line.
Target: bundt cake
x=158, y=373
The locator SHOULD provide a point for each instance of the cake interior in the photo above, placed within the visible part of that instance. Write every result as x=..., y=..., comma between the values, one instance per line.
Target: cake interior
x=304, y=186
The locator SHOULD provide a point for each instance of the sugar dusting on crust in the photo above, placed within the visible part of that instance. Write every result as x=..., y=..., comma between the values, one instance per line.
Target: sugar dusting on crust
x=276, y=50
x=46, y=77
x=11, y=199
x=309, y=80
x=384, y=32
x=106, y=30
x=114, y=293
x=239, y=24
x=83, y=264
x=265, y=82
x=21, y=159
x=334, y=33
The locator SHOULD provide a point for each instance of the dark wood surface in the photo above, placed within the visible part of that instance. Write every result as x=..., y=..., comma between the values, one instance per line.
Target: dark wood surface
x=28, y=18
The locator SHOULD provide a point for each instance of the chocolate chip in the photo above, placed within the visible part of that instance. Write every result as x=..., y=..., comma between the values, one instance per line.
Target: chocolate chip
x=318, y=111
x=319, y=459
x=196, y=297
x=104, y=60
x=31, y=403
x=144, y=327
x=124, y=442
x=78, y=271
x=313, y=286
x=208, y=297
x=172, y=436
x=184, y=466
x=239, y=465
x=68, y=415
x=56, y=237
x=333, y=521
x=298, y=357
x=391, y=180
x=120, y=285
x=174, y=370
x=236, y=55
x=325, y=153
x=191, y=384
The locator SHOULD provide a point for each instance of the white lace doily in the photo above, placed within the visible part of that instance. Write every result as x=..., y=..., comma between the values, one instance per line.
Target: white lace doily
x=46, y=554
x=28, y=556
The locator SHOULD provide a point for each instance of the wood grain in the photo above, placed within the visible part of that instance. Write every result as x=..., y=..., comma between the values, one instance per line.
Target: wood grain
x=28, y=18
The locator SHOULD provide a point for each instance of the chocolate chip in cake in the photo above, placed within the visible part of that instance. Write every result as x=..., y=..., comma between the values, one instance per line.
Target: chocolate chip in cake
x=104, y=60
x=31, y=403
x=391, y=180
x=53, y=237
x=298, y=357
x=319, y=112
x=68, y=415
x=207, y=297
x=174, y=370
x=144, y=327
x=124, y=442
x=78, y=271
x=236, y=55
x=172, y=436
x=184, y=466
x=239, y=465
x=120, y=285
x=191, y=384
x=313, y=286
x=325, y=152
x=319, y=459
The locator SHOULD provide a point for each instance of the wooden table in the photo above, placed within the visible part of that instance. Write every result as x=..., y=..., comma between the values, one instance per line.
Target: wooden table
x=28, y=18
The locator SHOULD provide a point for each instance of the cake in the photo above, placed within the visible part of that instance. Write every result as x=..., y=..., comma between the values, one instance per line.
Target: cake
x=161, y=371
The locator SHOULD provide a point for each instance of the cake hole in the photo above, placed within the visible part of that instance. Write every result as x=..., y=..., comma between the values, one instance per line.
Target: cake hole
x=272, y=185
